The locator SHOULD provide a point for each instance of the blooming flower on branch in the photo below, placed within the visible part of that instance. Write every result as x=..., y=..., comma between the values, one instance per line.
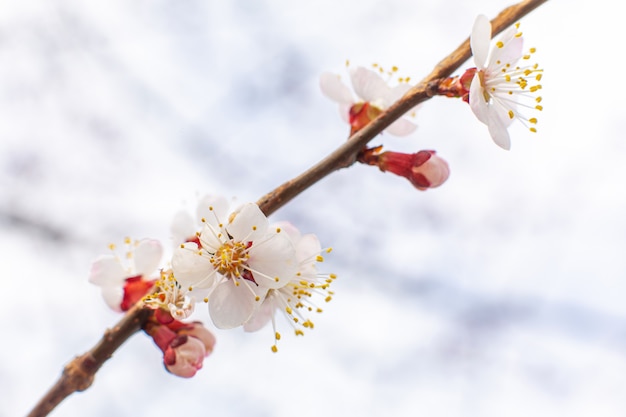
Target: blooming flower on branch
x=237, y=259
x=373, y=95
x=500, y=87
x=171, y=296
x=295, y=300
x=125, y=279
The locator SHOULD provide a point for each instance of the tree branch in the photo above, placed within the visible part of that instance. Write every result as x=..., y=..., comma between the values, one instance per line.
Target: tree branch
x=78, y=375
x=345, y=155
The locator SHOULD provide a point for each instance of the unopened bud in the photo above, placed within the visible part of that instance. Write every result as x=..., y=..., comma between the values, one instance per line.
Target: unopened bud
x=196, y=329
x=184, y=356
x=424, y=169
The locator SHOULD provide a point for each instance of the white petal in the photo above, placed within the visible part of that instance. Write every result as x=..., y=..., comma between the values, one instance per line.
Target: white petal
x=368, y=85
x=212, y=237
x=308, y=247
x=147, y=256
x=113, y=296
x=480, y=39
x=510, y=53
x=334, y=89
x=107, y=271
x=499, y=133
x=288, y=229
x=396, y=93
x=213, y=209
x=183, y=227
x=192, y=269
x=231, y=305
x=249, y=224
x=401, y=127
x=273, y=263
x=477, y=101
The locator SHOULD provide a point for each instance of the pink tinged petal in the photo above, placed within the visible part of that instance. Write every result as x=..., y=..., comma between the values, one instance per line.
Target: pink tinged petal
x=232, y=305
x=308, y=247
x=113, y=297
x=147, y=256
x=477, y=102
x=273, y=263
x=288, y=229
x=186, y=358
x=368, y=85
x=249, y=224
x=480, y=40
x=192, y=269
x=213, y=217
x=344, y=112
x=333, y=88
x=107, y=270
x=262, y=315
x=183, y=227
x=401, y=127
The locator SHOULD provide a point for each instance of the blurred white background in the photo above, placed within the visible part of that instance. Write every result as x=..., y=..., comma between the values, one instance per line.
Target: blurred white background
x=498, y=294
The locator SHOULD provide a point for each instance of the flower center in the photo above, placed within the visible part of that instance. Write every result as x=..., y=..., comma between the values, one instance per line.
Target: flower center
x=230, y=260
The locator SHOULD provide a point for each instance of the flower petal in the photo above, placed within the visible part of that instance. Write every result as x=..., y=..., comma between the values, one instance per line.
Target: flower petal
x=273, y=263
x=401, y=127
x=262, y=315
x=499, y=132
x=509, y=53
x=480, y=39
x=113, y=296
x=333, y=88
x=147, y=256
x=192, y=269
x=213, y=209
x=249, y=224
x=368, y=85
x=232, y=305
x=183, y=227
x=477, y=102
x=107, y=270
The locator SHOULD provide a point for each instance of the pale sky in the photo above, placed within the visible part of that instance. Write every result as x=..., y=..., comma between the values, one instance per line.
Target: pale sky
x=498, y=294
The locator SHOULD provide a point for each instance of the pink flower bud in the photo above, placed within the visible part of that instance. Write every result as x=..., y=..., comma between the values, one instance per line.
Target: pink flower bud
x=196, y=329
x=184, y=356
x=424, y=169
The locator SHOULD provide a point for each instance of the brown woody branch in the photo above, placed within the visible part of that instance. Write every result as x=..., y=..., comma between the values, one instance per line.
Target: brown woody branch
x=78, y=375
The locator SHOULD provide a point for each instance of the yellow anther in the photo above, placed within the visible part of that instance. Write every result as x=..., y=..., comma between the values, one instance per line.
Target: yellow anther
x=539, y=108
x=111, y=246
x=538, y=77
x=533, y=50
x=278, y=230
x=205, y=299
x=499, y=44
x=332, y=276
x=532, y=129
x=511, y=114
x=203, y=220
x=319, y=258
x=276, y=279
x=274, y=349
x=127, y=240
x=253, y=227
x=533, y=120
x=257, y=298
x=394, y=69
x=288, y=310
x=535, y=88
x=277, y=336
x=299, y=332
x=327, y=299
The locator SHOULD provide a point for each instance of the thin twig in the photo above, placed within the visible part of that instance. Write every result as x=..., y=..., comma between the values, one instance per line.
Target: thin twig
x=345, y=155
x=79, y=374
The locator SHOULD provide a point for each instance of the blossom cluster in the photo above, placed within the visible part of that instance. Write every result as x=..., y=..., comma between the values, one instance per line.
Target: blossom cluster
x=245, y=269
